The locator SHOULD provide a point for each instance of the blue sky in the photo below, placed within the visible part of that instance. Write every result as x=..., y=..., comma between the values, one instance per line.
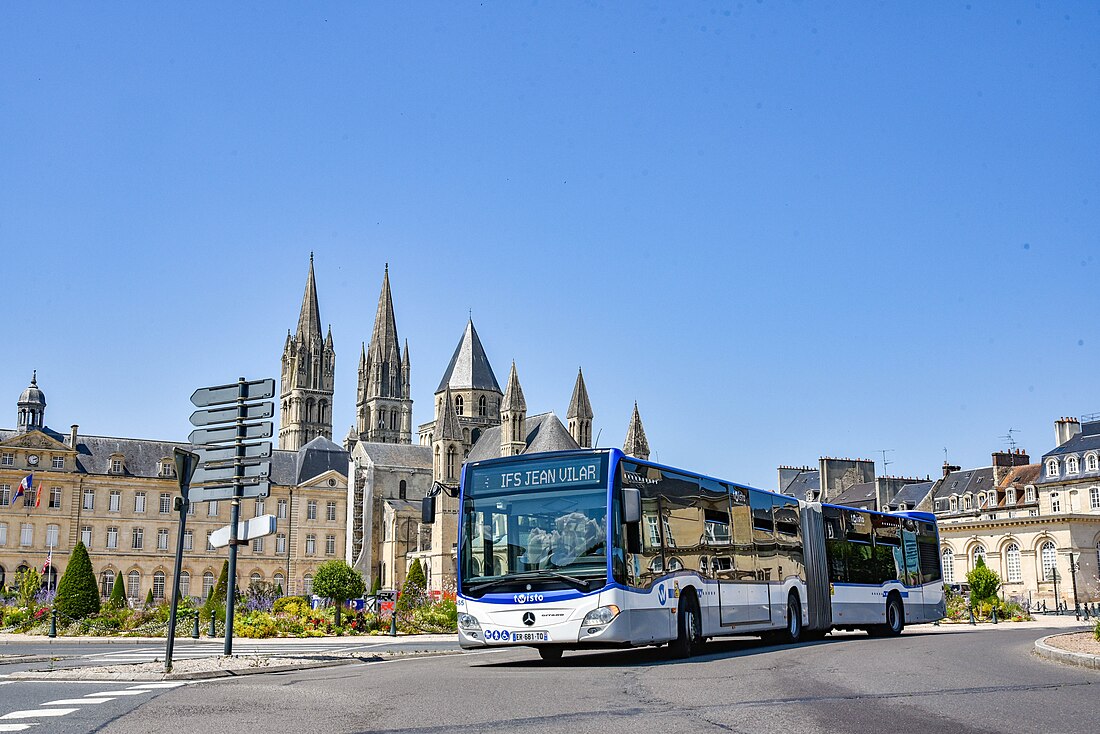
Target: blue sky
x=786, y=229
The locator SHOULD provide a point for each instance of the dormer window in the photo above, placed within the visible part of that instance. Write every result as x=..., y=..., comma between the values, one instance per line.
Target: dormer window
x=117, y=463
x=1071, y=465
x=1029, y=494
x=1091, y=463
x=1010, y=496
x=968, y=502
x=954, y=504
x=1052, y=468
x=166, y=468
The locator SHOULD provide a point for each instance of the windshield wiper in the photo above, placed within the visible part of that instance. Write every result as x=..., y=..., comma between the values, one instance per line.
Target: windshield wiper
x=581, y=584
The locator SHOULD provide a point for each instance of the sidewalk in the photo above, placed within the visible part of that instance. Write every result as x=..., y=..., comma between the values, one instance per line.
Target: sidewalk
x=1042, y=621
x=181, y=641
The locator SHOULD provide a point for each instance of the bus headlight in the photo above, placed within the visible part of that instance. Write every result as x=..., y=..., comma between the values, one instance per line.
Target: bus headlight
x=468, y=622
x=600, y=615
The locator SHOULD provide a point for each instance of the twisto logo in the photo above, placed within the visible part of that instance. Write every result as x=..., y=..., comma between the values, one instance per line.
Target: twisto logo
x=524, y=598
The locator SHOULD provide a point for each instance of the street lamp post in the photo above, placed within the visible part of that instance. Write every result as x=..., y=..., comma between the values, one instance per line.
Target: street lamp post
x=1054, y=578
x=1074, y=566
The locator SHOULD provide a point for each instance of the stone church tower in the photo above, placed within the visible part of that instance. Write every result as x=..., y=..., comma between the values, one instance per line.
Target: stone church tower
x=579, y=415
x=308, y=375
x=636, y=444
x=383, y=402
x=513, y=418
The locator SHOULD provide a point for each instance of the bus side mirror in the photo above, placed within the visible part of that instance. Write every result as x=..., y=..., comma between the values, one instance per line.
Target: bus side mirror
x=632, y=506
x=427, y=510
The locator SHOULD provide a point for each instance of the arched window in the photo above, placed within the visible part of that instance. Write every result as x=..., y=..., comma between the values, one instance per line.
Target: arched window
x=458, y=404
x=207, y=584
x=106, y=582
x=978, y=552
x=1012, y=562
x=1048, y=556
x=968, y=502
x=255, y=578
x=307, y=584
x=402, y=490
x=133, y=584
x=1052, y=468
x=482, y=407
x=948, y=566
x=279, y=581
x=185, y=584
x=1071, y=465
x=1090, y=463
x=451, y=462
x=158, y=584
x=954, y=504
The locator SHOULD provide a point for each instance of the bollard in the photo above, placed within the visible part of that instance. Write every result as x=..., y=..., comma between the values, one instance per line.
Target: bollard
x=994, y=615
x=972, y=620
x=53, y=624
x=393, y=621
x=213, y=630
x=195, y=631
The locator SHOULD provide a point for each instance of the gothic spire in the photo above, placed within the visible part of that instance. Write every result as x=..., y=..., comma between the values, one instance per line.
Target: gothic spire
x=636, y=444
x=579, y=405
x=309, y=321
x=513, y=394
x=469, y=367
x=383, y=340
x=447, y=427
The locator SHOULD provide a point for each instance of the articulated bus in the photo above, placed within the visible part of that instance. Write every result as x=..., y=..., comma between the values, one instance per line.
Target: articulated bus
x=594, y=549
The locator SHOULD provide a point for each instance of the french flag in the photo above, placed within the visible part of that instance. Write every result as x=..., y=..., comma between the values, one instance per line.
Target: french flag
x=23, y=487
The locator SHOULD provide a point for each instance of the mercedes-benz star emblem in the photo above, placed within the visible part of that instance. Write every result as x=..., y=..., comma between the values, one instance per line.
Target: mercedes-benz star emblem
x=528, y=618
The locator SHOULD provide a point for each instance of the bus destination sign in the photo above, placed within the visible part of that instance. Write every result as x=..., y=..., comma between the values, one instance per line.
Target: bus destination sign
x=574, y=472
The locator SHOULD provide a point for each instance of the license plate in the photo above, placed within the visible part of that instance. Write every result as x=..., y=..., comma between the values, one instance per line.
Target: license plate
x=532, y=636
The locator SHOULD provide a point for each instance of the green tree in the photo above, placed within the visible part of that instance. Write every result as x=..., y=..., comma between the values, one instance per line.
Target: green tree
x=149, y=598
x=77, y=592
x=412, y=592
x=984, y=582
x=338, y=581
x=374, y=587
x=29, y=582
x=117, y=600
x=215, y=603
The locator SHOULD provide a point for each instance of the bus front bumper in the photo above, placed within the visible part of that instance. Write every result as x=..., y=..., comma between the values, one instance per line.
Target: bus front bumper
x=570, y=633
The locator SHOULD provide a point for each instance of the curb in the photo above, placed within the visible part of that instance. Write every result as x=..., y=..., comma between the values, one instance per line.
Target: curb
x=1080, y=659
x=76, y=674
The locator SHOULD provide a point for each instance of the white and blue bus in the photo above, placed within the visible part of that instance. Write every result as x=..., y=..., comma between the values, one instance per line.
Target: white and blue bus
x=595, y=549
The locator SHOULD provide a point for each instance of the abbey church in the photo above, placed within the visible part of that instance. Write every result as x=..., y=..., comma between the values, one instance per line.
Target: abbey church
x=389, y=474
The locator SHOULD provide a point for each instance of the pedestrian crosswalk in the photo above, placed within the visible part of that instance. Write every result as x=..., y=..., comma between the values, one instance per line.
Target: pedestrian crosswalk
x=24, y=719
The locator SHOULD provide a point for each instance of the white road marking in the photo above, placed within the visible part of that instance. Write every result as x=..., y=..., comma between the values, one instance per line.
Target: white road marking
x=156, y=685
x=76, y=701
x=104, y=694
x=14, y=727
x=30, y=714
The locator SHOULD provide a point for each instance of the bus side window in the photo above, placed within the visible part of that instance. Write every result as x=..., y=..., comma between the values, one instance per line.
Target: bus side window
x=763, y=536
x=836, y=547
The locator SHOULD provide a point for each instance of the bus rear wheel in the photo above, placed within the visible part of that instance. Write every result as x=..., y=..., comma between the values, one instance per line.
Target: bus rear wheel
x=689, y=630
x=895, y=619
x=793, y=631
x=550, y=654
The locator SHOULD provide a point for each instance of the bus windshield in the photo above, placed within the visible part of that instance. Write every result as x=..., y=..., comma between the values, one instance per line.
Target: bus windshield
x=535, y=523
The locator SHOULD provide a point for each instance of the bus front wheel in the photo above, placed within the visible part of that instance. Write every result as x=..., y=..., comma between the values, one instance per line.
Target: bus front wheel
x=689, y=629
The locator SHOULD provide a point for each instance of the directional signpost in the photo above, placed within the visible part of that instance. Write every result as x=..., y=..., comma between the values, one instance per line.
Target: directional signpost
x=185, y=468
x=235, y=463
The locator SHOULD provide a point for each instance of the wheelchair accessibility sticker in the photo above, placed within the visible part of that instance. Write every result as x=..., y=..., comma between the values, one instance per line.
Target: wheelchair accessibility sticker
x=661, y=594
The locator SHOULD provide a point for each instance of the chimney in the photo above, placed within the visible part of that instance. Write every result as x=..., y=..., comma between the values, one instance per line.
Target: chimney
x=1004, y=461
x=1065, y=429
x=72, y=435
x=948, y=468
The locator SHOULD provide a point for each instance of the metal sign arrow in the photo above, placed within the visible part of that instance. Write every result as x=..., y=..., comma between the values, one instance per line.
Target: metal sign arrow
x=248, y=432
x=220, y=394
x=247, y=530
x=232, y=413
x=212, y=493
x=213, y=454
x=226, y=474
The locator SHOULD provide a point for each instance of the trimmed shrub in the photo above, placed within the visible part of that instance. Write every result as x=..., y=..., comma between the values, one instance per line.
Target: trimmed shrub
x=149, y=599
x=984, y=582
x=412, y=592
x=77, y=592
x=215, y=603
x=117, y=600
x=338, y=581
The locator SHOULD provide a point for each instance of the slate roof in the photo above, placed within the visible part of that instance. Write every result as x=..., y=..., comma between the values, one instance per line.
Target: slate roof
x=1087, y=440
x=858, y=495
x=805, y=481
x=142, y=457
x=912, y=494
x=469, y=367
x=396, y=455
x=966, y=480
x=545, y=432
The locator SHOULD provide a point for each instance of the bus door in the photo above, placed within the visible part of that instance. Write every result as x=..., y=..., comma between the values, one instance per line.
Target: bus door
x=910, y=552
x=743, y=598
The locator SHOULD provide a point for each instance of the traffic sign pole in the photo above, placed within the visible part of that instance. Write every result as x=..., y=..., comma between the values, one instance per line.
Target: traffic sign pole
x=235, y=513
x=185, y=467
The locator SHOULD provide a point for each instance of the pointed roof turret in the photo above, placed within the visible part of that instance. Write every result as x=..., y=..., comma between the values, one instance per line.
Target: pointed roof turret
x=579, y=405
x=447, y=427
x=405, y=357
x=309, y=321
x=362, y=355
x=513, y=395
x=469, y=367
x=636, y=443
x=383, y=339
x=328, y=337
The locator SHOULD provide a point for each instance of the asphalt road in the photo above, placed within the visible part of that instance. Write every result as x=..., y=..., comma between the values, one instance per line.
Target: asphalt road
x=958, y=680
